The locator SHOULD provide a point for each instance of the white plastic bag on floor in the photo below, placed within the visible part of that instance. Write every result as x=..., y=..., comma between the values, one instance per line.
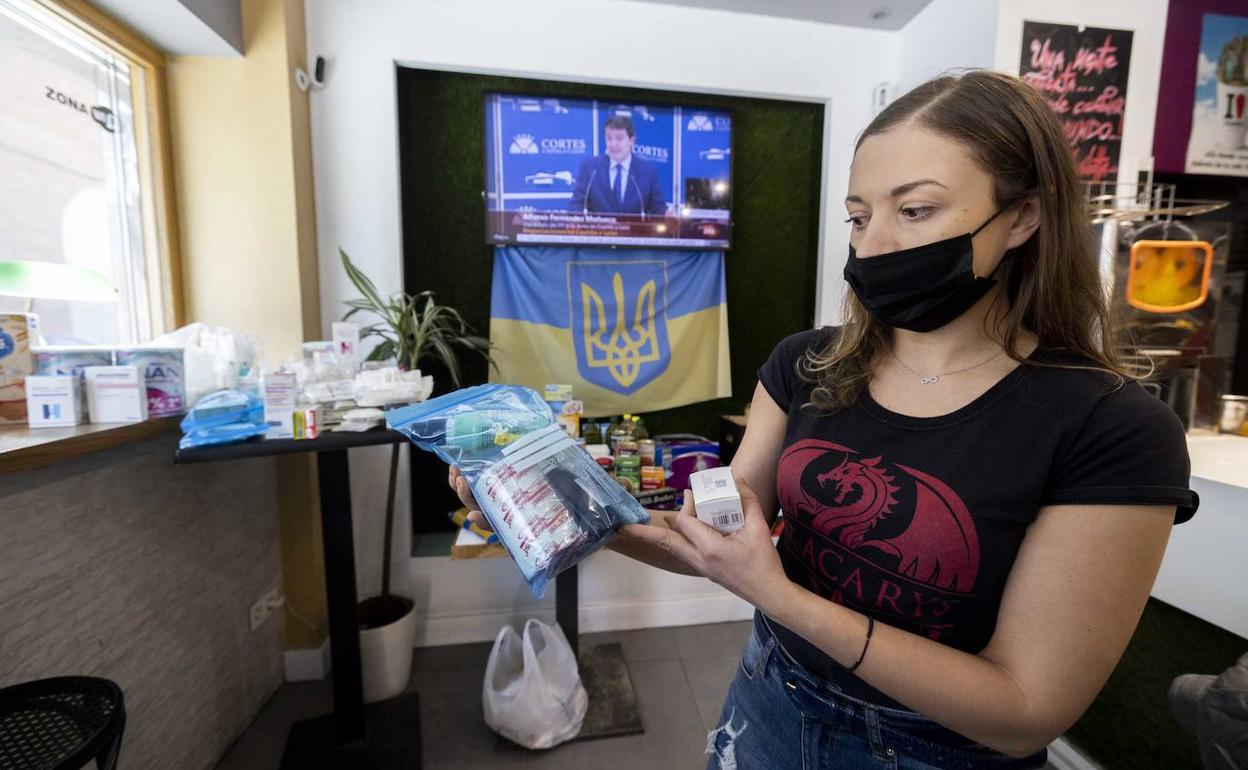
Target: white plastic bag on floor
x=532, y=693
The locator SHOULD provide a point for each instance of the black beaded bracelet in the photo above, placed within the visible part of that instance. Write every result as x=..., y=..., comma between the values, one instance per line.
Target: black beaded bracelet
x=870, y=628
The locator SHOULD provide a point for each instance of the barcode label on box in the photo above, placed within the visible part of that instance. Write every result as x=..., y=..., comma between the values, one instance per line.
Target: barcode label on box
x=727, y=520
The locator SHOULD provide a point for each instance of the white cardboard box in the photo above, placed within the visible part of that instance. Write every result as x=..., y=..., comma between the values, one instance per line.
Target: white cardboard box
x=280, y=391
x=716, y=499
x=347, y=343
x=115, y=394
x=19, y=332
x=54, y=401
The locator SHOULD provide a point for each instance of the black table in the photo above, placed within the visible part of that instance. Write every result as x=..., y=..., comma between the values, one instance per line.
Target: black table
x=379, y=736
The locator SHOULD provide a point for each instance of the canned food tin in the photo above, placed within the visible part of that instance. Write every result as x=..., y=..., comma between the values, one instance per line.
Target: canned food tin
x=628, y=472
x=652, y=477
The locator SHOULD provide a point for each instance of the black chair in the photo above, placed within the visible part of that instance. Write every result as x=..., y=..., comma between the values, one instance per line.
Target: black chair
x=61, y=724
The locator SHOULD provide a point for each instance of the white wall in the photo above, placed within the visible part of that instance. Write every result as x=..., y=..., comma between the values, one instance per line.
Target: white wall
x=1146, y=18
x=356, y=163
x=946, y=35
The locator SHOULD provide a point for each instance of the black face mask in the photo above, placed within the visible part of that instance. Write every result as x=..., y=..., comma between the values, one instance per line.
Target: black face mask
x=923, y=288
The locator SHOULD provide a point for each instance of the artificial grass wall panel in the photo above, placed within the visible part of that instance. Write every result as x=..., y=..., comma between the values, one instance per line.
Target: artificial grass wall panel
x=1129, y=725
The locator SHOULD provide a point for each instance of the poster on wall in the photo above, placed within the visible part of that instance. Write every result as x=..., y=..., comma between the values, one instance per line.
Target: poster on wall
x=1082, y=72
x=1218, y=143
x=1199, y=128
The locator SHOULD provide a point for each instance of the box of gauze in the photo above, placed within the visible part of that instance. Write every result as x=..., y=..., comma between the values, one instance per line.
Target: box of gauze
x=716, y=499
x=53, y=401
x=115, y=394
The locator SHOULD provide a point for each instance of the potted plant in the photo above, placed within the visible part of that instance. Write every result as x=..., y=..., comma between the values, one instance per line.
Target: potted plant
x=412, y=329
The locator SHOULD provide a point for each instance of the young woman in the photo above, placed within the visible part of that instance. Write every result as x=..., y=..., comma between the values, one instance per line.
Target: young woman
x=977, y=494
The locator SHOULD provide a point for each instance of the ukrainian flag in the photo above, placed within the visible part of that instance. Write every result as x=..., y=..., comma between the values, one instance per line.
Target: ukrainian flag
x=630, y=330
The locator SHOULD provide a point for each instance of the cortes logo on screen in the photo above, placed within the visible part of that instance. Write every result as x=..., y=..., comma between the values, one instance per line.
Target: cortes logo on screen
x=523, y=144
x=564, y=146
x=650, y=152
x=700, y=123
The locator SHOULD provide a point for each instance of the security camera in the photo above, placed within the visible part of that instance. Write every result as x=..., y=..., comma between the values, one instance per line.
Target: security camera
x=315, y=80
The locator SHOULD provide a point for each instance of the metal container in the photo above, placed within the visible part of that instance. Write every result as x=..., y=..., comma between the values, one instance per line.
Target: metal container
x=652, y=477
x=1234, y=414
x=628, y=472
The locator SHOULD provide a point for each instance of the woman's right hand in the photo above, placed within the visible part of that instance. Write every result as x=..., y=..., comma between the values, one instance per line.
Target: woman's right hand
x=460, y=485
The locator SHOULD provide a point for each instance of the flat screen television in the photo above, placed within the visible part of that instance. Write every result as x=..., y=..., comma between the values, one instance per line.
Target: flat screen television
x=602, y=173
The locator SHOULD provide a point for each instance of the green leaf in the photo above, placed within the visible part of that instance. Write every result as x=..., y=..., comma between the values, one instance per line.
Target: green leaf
x=382, y=351
x=414, y=327
x=448, y=357
x=362, y=282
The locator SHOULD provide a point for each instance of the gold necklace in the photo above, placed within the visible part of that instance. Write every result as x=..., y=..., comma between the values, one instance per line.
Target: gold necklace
x=930, y=379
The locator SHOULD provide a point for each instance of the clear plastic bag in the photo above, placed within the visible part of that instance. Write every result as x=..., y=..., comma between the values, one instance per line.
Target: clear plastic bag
x=532, y=693
x=214, y=357
x=548, y=500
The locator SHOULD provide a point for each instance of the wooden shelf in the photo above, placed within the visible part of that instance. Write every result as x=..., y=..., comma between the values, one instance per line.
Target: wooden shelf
x=23, y=448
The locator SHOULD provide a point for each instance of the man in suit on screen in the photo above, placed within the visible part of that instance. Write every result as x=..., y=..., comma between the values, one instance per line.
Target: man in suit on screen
x=618, y=182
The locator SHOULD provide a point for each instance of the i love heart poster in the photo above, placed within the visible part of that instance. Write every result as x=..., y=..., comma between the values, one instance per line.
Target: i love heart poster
x=1206, y=51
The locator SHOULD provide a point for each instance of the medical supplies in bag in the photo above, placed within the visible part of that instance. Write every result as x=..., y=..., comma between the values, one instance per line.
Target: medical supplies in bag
x=548, y=500
x=223, y=417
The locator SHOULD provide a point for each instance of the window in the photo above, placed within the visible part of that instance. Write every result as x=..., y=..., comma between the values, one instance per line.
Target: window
x=83, y=169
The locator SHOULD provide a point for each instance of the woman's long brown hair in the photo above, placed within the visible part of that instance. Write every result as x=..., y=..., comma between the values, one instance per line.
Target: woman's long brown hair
x=1051, y=283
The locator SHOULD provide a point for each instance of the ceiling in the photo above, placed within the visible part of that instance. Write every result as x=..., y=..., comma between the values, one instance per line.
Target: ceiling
x=183, y=27
x=868, y=14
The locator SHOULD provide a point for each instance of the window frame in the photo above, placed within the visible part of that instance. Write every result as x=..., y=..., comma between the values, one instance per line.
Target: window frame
x=154, y=145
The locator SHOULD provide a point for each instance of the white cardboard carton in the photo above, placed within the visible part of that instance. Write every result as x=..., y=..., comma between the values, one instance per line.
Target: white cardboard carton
x=115, y=394
x=716, y=499
x=280, y=394
x=54, y=401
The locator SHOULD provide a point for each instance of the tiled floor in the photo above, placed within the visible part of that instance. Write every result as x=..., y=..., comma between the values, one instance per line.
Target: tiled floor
x=681, y=676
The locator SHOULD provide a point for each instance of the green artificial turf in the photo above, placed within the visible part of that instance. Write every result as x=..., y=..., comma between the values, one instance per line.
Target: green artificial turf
x=1129, y=726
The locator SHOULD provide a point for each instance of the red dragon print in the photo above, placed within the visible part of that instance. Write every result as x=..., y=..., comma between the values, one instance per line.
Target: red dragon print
x=938, y=547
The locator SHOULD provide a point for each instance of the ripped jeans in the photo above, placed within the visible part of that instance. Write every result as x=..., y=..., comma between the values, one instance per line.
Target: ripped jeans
x=778, y=715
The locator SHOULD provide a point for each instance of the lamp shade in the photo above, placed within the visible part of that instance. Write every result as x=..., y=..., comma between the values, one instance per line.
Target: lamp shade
x=48, y=280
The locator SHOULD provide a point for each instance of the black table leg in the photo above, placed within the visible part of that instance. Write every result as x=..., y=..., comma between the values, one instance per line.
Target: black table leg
x=385, y=735
x=604, y=670
x=566, y=585
x=341, y=598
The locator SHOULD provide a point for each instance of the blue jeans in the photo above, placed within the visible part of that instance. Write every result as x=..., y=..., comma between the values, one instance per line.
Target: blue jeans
x=778, y=715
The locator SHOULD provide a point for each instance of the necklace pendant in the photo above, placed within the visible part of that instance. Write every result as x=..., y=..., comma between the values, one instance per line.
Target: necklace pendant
x=929, y=380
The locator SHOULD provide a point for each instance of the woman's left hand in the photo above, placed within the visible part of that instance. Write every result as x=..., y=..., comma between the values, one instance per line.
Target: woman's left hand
x=745, y=562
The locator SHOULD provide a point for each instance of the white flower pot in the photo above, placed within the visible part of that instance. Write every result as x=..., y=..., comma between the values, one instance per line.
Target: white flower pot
x=386, y=656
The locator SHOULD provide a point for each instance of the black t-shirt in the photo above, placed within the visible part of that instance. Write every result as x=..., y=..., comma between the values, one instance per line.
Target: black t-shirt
x=917, y=521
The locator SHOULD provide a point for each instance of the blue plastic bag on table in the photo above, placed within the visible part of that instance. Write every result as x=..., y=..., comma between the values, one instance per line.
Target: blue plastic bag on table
x=223, y=417
x=548, y=500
